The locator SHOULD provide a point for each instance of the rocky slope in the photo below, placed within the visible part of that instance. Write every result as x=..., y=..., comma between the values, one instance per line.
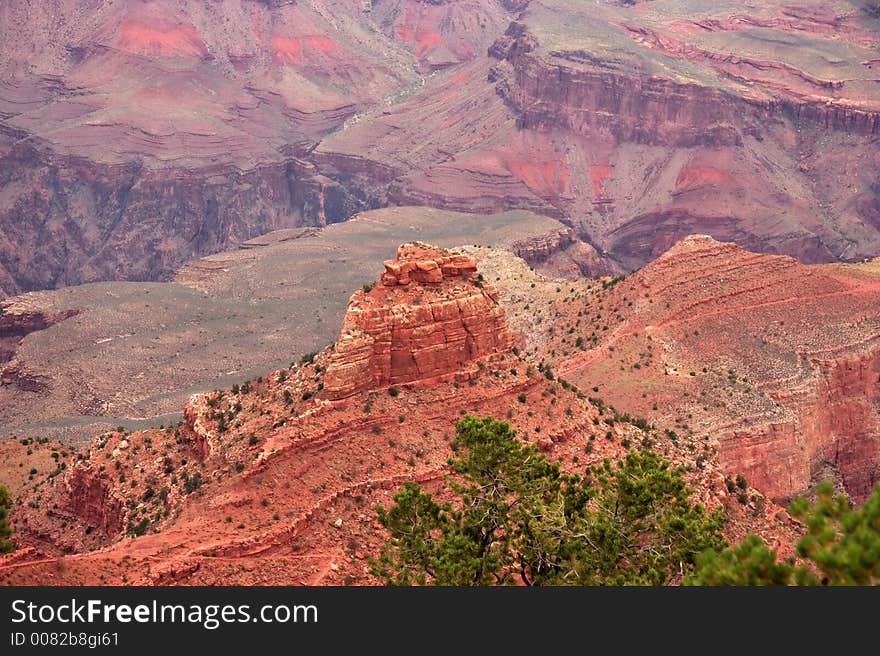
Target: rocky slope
x=275, y=481
x=771, y=363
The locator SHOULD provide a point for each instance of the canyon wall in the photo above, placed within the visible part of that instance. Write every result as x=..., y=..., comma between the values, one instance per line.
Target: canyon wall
x=772, y=364
x=90, y=500
x=847, y=419
x=836, y=433
x=593, y=100
x=575, y=90
x=67, y=220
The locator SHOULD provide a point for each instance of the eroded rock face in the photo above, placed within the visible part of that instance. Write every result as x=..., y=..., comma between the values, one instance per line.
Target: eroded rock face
x=430, y=317
x=123, y=222
x=194, y=430
x=836, y=432
x=80, y=510
x=773, y=363
x=91, y=499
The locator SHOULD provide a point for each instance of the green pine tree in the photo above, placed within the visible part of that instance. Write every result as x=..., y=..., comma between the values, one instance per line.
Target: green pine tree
x=517, y=516
x=841, y=547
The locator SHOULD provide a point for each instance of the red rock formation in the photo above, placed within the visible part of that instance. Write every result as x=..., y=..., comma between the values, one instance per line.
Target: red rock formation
x=430, y=316
x=776, y=362
x=91, y=500
x=836, y=431
x=286, y=481
x=194, y=430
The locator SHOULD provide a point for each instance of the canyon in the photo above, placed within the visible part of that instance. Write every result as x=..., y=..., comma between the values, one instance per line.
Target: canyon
x=257, y=258
x=136, y=136
x=274, y=480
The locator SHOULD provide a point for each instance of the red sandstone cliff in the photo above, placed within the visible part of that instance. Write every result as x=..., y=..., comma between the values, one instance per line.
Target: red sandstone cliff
x=834, y=431
x=428, y=318
x=561, y=253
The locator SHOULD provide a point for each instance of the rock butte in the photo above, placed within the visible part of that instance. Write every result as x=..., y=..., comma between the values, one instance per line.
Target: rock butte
x=430, y=316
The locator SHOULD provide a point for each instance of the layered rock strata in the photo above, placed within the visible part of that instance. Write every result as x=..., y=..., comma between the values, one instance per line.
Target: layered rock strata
x=431, y=315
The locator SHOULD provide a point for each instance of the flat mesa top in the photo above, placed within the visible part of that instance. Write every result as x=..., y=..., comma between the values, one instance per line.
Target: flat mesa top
x=419, y=251
x=422, y=263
